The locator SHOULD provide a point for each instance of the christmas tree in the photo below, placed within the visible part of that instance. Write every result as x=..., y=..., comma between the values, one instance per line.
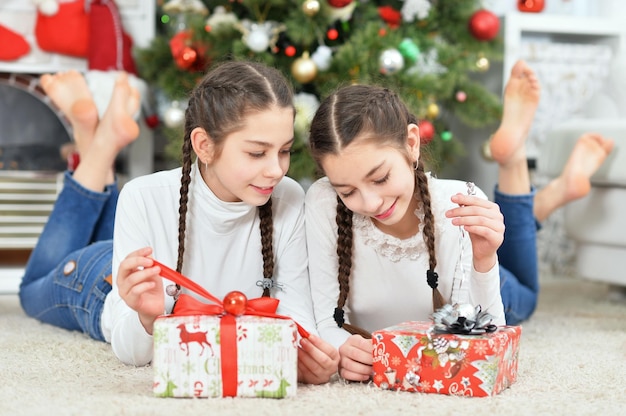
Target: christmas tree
x=426, y=50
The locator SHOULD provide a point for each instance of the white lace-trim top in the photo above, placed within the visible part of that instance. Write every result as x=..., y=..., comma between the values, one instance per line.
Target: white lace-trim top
x=388, y=275
x=389, y=246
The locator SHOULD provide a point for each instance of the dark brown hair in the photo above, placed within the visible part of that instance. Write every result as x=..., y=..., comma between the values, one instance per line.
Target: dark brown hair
x=219, y=104
x=377, y=115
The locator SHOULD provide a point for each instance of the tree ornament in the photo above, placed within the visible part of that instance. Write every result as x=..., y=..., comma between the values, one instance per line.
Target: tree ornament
x=482, y=63
x=187, y=55
x=311, y=7
x=432, y=111
x=484, y=25
x=306, y=105
x=530, y=6
x=332, y=33
x=259, y=36
x=220, y=21
x=181, y=12
x=460, y=96
x=412, y=9
x=339, y=3
x=304, y=69
x=409, y=49
x=258, y=39
x=290, y=51
x=485, y=150
x=322, y=57
x=391, y=61
x=427, y=131
x=235, y=303
x=343, y=13
x=152, y=121
x=446, y=136
x=390, y=16
x=174, y=115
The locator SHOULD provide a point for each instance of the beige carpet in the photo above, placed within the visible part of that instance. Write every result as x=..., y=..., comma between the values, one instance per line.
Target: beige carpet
x=572, y=362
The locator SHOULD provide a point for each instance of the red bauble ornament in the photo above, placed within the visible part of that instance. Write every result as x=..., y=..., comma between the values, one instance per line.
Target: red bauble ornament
x=532, y=6
x=332, y=34
x=339, y=3
x=152, y=121
x=427, y=131
x=187, y=54
x=484, y=25
x=390, y=15
x=290, y=51
x=235, y=303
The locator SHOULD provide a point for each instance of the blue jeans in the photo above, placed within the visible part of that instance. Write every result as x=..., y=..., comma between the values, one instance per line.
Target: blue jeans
x=519, y=274
x=67, y=276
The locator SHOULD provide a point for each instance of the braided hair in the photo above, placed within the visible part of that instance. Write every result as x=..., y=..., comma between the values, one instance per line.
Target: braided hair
x=220, y=104
x=374, y=114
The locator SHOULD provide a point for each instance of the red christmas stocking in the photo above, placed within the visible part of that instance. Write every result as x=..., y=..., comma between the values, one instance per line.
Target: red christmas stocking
x=65, y=32
x=14, y=46
x=110, y=48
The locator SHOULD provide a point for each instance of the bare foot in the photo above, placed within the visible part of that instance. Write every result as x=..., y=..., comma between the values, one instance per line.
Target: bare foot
x=69, y=91
x=116, y=130
x=118, y=123
x=521, y=97
x=588, y=154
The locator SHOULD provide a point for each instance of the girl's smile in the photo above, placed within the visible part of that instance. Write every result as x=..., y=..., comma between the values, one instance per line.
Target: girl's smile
x=387, y=213
x=377, y=182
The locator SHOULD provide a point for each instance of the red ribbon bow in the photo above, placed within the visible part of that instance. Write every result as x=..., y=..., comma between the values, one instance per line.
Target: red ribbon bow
x=188, y=305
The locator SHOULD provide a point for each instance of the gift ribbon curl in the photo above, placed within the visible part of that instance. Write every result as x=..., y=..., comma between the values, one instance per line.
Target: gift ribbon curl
x=462, y=319
x=188, y=305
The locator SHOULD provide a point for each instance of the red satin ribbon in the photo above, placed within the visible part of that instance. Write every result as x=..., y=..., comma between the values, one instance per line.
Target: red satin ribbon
x=188, y=305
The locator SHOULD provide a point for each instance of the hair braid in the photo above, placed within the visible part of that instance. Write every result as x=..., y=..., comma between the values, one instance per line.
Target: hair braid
x=421, y=185
x=185, y=180
x=344, y=255
x=267, y=229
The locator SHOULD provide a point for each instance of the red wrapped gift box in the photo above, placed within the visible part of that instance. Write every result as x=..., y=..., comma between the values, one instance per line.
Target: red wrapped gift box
x=412, y=357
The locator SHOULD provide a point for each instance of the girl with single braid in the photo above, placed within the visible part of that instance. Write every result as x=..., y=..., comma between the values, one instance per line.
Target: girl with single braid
x=389, y=243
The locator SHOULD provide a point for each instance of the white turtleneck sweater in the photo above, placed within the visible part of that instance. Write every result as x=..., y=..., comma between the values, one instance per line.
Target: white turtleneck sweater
x=222, y=250
x=388, y=281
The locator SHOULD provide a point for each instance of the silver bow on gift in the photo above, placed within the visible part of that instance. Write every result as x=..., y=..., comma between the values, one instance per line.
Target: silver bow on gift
x=462, y=319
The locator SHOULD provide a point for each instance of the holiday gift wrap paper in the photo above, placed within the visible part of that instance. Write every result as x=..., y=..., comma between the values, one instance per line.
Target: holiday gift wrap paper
x=412, y=357
x=187, y=357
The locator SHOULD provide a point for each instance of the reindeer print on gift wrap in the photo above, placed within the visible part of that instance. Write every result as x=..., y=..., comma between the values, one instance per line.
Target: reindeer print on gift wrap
x=279, y=393
x=200, y=337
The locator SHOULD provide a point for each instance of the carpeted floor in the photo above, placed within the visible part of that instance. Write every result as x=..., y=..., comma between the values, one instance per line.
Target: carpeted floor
x=572, y=362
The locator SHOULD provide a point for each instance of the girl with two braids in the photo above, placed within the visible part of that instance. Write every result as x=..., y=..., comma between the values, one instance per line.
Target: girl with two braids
x=228, y=218
x=389, y=243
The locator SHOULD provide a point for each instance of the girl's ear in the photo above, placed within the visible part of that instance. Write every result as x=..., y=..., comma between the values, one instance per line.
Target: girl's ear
x=202, y=145
x=413, y=141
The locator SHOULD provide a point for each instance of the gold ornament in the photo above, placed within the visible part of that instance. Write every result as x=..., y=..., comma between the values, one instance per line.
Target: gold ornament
x=304, y=69
x=432, y=111
x=311, y=7
x=483, y=64
x=485, y=150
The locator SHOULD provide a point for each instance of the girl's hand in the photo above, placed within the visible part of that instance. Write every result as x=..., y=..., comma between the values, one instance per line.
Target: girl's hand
x=141, y=287
x=356, y=359
x=484, y=222
x=317, y=360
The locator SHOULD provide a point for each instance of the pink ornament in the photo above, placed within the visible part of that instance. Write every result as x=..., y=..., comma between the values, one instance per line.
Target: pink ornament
x=461, y=96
